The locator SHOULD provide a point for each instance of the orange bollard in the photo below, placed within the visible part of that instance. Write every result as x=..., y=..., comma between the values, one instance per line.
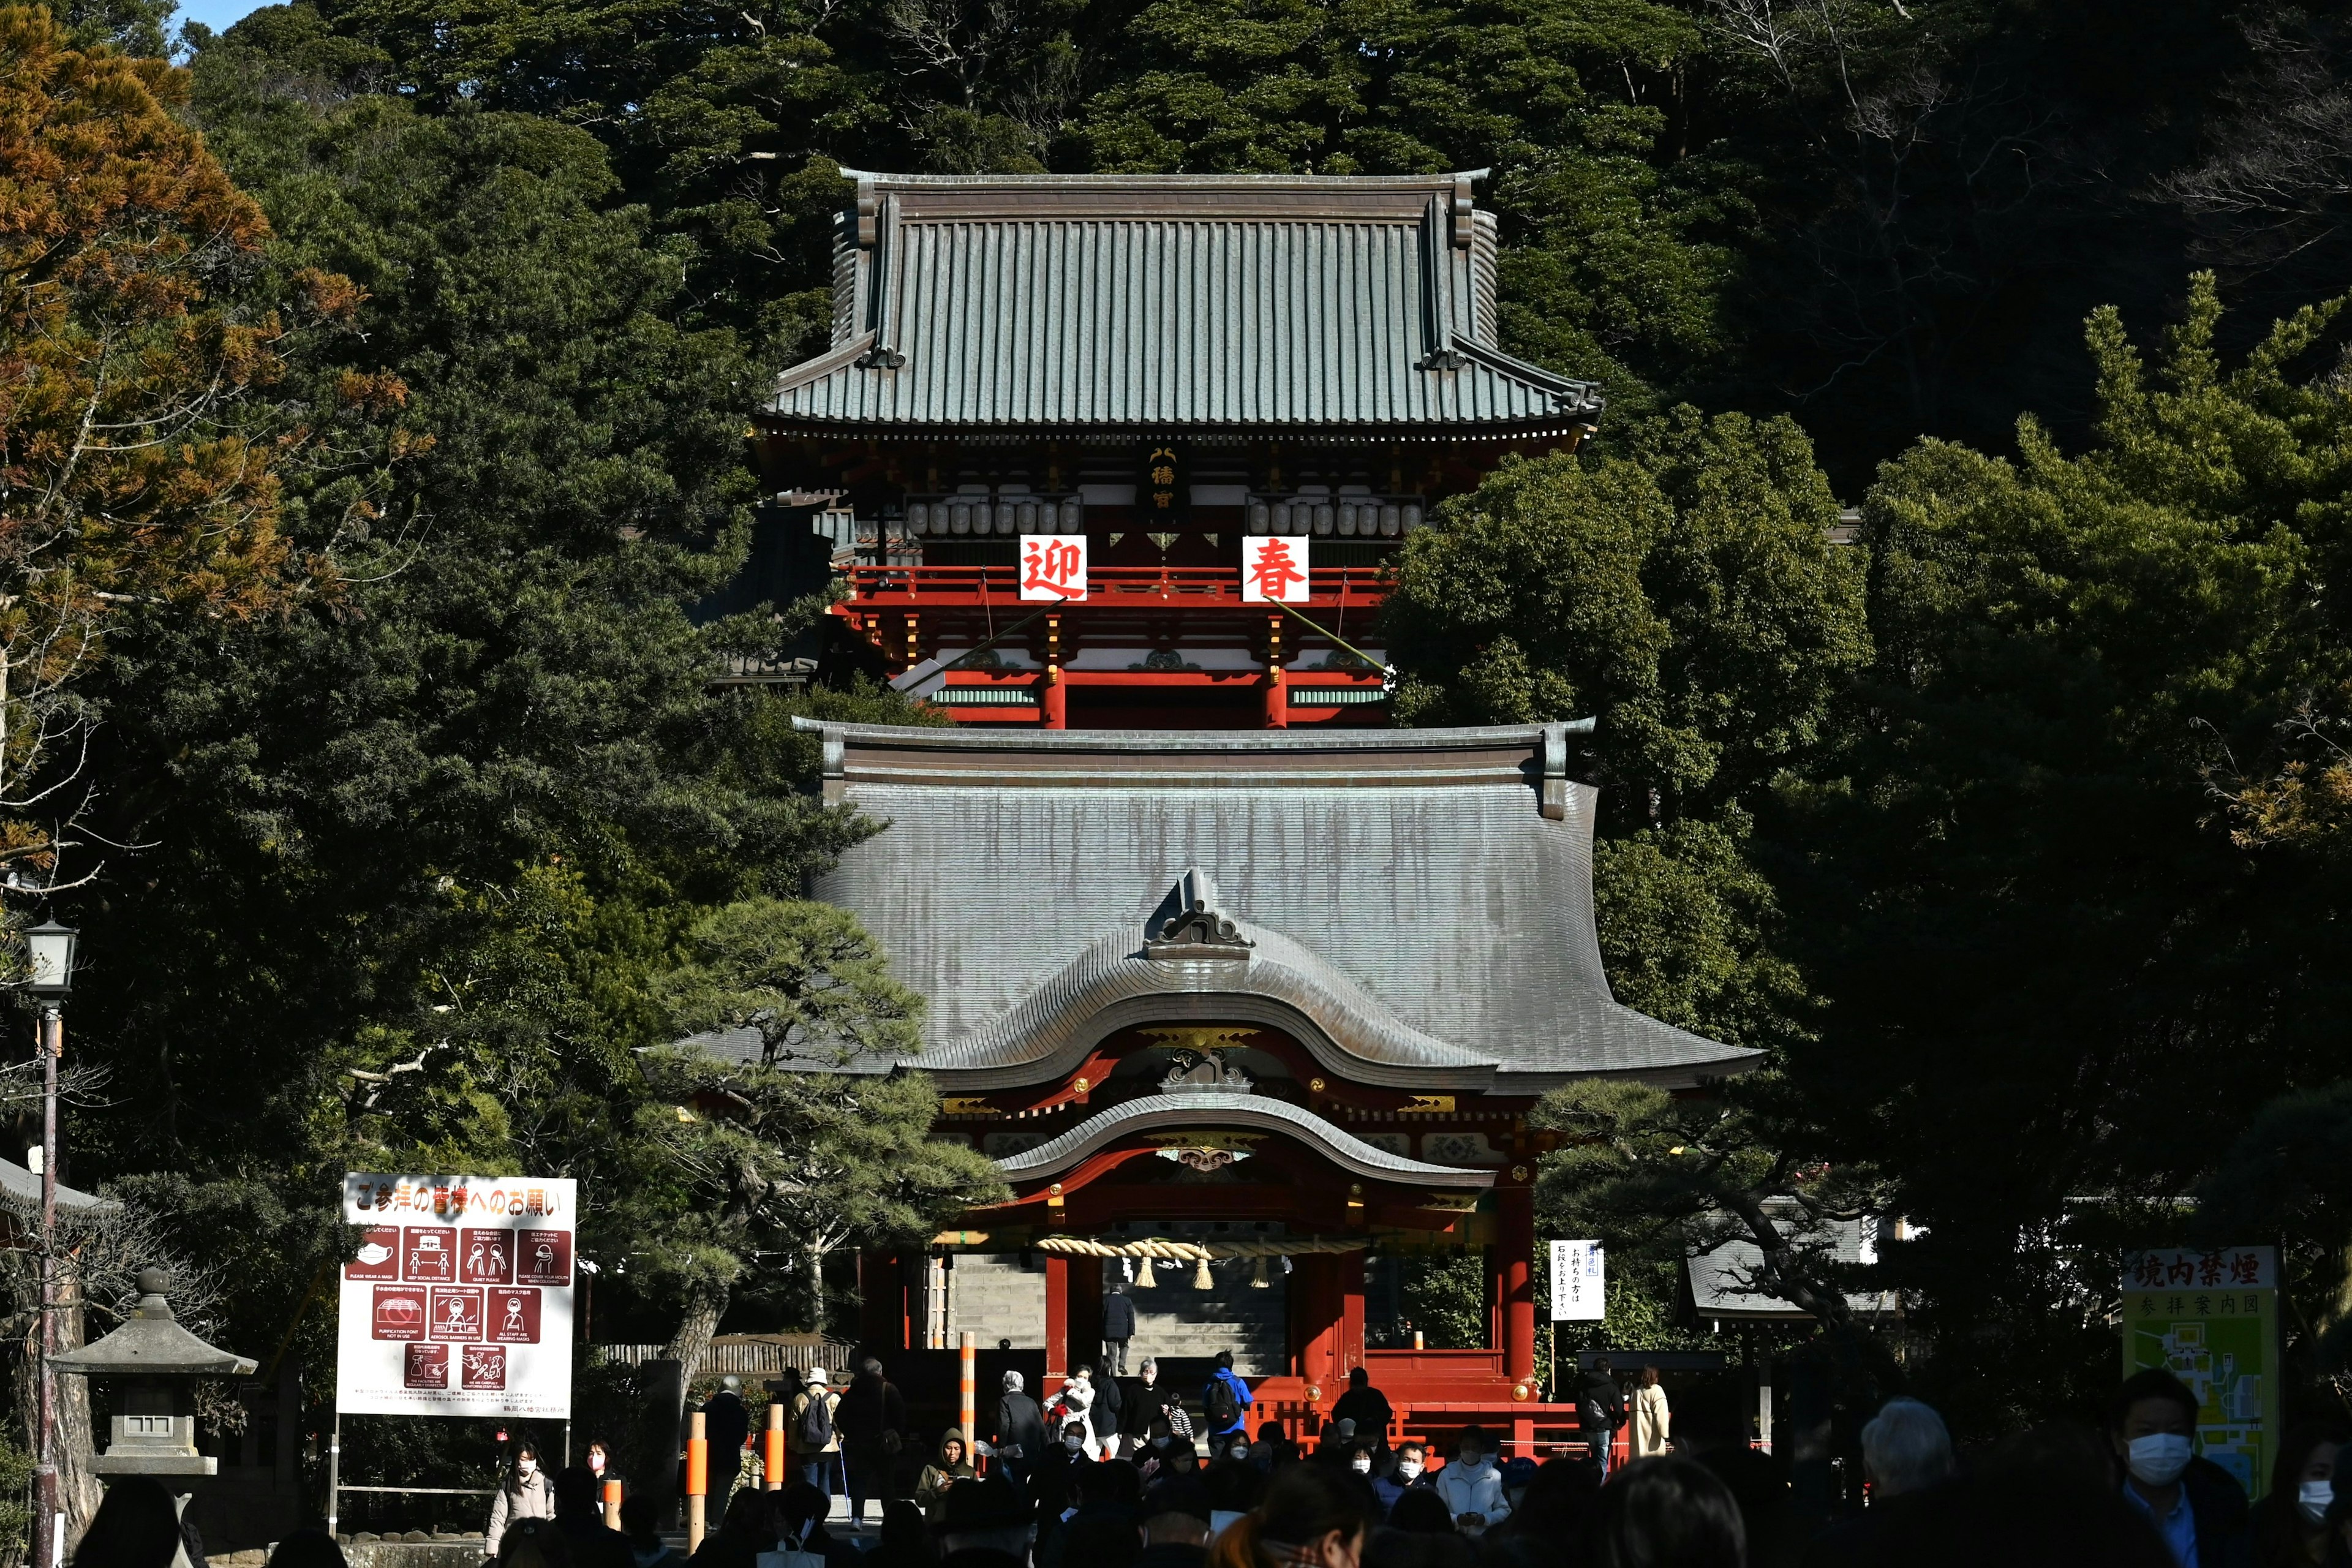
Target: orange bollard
x=612, y=1505
x=772, y=1452
x=698, y=1481
x=967, y=1401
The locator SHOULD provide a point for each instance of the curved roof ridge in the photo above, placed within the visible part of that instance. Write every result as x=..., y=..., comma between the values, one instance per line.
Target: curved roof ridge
x=1067, y=1013
x=1228, y=1109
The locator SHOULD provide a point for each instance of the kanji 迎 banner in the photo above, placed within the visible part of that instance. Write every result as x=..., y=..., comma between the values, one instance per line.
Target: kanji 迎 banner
x=459, y=1300
x=1054, y=567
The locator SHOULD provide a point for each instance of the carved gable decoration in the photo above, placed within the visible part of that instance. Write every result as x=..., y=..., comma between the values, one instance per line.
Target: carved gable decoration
x=1195, y=1073
x=1200, y=927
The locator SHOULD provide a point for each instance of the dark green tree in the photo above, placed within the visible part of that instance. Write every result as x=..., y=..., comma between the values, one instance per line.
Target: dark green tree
x=2021, y=892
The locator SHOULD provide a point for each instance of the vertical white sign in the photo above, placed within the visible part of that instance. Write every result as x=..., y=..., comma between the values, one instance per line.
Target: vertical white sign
x=1578, y=1282
x=1054, y=567
x=1273, y=570
x=459, y=1300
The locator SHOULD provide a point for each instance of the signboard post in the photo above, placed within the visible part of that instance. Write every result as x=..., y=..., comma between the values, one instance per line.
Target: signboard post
x=2210, y=1318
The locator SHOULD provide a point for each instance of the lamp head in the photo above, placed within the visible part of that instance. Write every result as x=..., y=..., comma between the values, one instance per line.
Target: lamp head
x=50, y=954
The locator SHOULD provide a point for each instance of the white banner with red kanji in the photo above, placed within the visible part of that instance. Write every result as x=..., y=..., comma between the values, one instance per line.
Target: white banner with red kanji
x=1054, y=567
x=459, y=1299
x=1273, y=570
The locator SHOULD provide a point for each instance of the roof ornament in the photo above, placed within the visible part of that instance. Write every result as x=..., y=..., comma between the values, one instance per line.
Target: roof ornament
x=1194, y=1073
x=1200, y=928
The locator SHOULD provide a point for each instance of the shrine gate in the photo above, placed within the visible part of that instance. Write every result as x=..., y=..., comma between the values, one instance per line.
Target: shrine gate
x=1274, y=999
x=1237, y=985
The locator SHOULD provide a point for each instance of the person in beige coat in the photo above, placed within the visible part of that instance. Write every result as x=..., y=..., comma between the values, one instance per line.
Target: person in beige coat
x=1651, y=1418
x=526, y=1494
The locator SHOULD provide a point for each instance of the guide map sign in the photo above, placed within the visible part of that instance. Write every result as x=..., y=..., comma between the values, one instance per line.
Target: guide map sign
x=2210, y=1318
x=459, y=1300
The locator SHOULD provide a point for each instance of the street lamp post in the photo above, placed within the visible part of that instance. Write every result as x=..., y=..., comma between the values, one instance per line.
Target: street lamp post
x=49, y=950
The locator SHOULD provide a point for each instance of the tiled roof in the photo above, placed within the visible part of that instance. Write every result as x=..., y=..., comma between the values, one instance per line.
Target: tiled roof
x=20, y=1190
x=1221, y=1109
x=1721, y=1276
x=1114, y=981
x=1170, y=302
x=1422, y=898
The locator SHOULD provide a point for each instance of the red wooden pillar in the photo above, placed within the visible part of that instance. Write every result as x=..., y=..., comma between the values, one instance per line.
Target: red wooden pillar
x=1318, y=1320
x=1515, y=1206
x=1053, y=692
x=1277, y=684
x=1057, y=1320
x=1351, y=1311
x=1085, y=1312
x=881, y=1300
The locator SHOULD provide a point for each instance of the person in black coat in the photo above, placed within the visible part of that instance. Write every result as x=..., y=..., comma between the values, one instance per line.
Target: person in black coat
x=1108, y=1406
x=1020, y=1429
x=1119, y=1326
x=725, y=1423
x=2191, y=1500
x=1144, y=1400
x=580, y=1520
x=871, y=1422
x=1369, y=1408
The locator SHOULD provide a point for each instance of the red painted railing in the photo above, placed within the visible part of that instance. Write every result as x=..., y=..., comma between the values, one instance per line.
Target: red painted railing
x=1138, y=587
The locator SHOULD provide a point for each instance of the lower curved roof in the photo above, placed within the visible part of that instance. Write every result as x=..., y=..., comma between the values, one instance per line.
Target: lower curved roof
x=1344, y=1025
x=1206, y=1108
x=1421, y=898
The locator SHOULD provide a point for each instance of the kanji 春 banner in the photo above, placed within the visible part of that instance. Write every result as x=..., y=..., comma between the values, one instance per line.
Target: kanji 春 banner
x=459, y=1300
x=1273, y=570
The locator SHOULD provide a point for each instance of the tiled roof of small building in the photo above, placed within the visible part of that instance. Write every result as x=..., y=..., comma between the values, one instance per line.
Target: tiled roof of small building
x=1170, y=302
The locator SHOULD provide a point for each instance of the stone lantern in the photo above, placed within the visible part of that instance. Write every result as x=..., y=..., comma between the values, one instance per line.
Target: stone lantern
x=152, y=1360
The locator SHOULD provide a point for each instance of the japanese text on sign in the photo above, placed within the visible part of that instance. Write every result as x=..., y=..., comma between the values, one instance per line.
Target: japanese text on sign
x=457, y=1299
x=1273, y=570
x=2210, y=1318
x=1578, y=1282
x=1163, y=494
x=1053, y=566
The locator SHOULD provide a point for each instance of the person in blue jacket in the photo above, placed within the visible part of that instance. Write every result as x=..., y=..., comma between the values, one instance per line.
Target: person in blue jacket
x=1226, y=1399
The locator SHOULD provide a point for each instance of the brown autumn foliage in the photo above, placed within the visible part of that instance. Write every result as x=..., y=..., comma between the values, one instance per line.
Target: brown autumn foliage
x=2309, y=802
x=125, y=353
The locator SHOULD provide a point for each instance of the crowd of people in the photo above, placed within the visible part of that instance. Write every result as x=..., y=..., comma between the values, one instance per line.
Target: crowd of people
x=1101, y=1475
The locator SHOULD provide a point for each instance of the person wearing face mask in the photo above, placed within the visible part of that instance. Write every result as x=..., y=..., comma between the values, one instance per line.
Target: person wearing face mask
x=1410, y=1470
x=1312, y=1517
x=1472, y=1491
x=1056, y=1483
x=2290, y=1521
x=524, y=1494
x=2197, y=1506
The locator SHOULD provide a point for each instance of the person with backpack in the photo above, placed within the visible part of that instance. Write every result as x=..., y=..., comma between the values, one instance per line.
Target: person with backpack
x=809, y=1434
x=1600, y=1411
x=1225, y=1401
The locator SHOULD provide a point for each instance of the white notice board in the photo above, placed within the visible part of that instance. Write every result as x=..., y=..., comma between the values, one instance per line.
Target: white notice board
x=459, y=1302
x=1578, y=1282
